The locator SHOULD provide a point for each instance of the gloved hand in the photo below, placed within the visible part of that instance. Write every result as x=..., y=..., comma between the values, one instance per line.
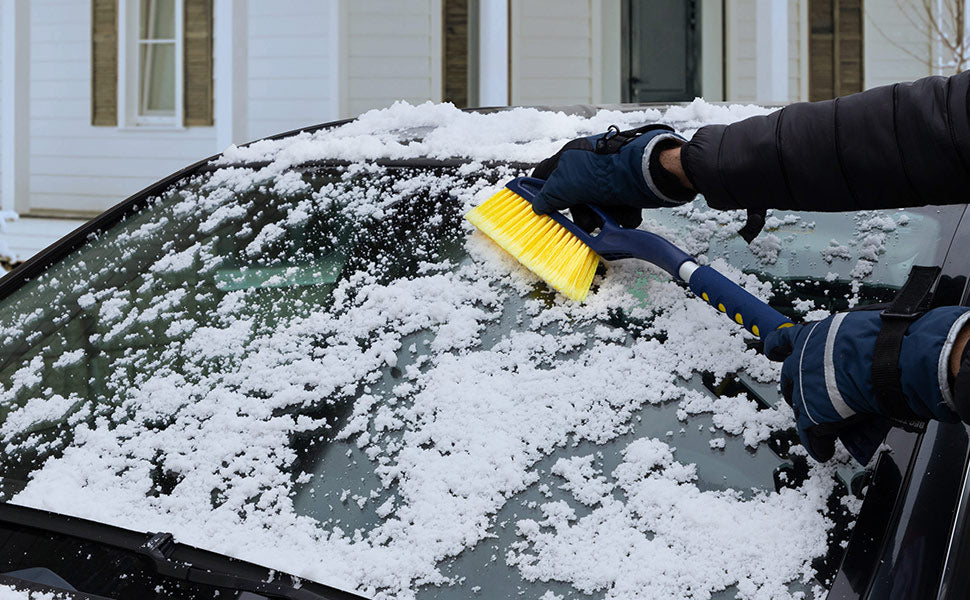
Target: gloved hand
x=617, y=170
x=827, y=377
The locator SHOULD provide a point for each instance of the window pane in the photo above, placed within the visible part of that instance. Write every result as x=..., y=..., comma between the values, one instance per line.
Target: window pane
x=158, y=79
x=157, y=19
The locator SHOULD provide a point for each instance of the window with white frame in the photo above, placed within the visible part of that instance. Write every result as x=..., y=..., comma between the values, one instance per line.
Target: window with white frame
x=152, y=63
x=150, y=68
x=157, y=50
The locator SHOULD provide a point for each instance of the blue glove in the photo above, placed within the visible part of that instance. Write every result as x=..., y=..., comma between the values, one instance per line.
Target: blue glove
x=617, y=170
x=827, y=377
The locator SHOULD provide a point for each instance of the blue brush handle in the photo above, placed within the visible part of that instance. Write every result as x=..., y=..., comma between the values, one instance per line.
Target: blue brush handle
x=615, y=242
x=730, y=298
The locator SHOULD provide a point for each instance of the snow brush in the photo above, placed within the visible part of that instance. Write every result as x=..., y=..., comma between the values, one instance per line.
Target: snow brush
x=565, y=256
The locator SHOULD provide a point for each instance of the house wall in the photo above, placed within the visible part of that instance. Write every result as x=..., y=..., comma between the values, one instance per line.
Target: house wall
x=712, y=50
x=554, y=49
x=75, y=166
x=742, y=50
x=390, y=50
x=290, y=53
x=741, y=76
x=310, y=61
x=610, y=46
x=895, y=48
x=4, y=205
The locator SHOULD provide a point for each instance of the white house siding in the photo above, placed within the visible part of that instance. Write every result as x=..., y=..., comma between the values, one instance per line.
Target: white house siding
x=552, y=52
x=289, y=65
x=74, y=166
x=3, y=202
x=391, y=50
x=741, y=51
x=895, y=48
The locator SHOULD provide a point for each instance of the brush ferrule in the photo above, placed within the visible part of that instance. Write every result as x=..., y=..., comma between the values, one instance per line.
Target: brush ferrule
x=687, y=269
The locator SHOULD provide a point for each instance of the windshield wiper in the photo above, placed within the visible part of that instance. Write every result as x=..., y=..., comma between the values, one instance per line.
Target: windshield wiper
x=160, y=547
x=57, y=541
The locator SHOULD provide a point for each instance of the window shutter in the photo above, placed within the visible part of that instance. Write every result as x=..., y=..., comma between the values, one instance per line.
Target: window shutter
x=835, y=48
x=104, y=62
x=849, y=46
x=197, y=69
x=455, y=52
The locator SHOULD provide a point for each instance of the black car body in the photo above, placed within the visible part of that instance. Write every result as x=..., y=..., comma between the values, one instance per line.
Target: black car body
x=908, y=540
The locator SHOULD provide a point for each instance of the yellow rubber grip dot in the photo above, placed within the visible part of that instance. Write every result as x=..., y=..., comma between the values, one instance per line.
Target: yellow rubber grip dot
x=783, y=325
x=754, y=330
x=721, y=308
x=737, y=317
x=704, y=296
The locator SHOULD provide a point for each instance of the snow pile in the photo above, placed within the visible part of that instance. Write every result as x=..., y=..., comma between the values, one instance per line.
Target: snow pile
x=649, y=545
x=872, y=229
x=8, y=592
x=458, y=380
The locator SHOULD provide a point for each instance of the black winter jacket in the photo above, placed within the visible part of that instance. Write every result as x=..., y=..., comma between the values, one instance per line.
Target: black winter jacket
x=898, y=145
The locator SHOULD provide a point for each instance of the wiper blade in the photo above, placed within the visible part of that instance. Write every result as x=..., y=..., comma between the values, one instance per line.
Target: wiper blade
x=160, y=547
x=56, y=538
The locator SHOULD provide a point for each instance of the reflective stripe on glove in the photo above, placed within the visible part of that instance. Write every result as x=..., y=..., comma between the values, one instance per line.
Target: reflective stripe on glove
x=827, y=376
x=617, y=170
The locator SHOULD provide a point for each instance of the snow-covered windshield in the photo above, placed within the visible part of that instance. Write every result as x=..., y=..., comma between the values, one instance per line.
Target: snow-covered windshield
x=324, y=370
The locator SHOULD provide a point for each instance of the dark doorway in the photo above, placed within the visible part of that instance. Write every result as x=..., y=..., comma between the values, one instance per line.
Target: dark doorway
x=662, y=50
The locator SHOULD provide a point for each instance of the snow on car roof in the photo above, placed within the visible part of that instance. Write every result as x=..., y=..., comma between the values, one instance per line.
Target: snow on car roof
x=463, y=429
x=441, y=131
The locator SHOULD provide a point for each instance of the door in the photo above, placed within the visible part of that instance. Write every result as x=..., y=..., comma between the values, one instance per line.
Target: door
x=663, y=50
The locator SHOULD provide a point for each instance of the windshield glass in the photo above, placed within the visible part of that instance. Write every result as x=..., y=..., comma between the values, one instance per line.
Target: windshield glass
x=326, y=371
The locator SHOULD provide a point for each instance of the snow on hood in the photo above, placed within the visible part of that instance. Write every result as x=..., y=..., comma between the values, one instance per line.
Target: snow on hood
x=463, y=430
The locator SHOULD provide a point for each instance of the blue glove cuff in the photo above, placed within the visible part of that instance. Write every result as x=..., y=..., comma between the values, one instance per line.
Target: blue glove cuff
x=928, y=344
x=648, y=173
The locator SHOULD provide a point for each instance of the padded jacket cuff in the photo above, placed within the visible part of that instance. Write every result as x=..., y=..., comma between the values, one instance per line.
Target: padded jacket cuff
x=702, y=171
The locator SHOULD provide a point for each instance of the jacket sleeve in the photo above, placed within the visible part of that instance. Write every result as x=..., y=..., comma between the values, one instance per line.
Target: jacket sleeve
x=906, y=144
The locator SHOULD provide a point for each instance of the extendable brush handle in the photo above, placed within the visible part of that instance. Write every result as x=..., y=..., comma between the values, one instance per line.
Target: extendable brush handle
x=733, y=300
x=615, y=242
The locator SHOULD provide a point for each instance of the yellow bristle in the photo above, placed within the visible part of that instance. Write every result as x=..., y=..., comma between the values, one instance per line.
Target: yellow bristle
x=537, y=241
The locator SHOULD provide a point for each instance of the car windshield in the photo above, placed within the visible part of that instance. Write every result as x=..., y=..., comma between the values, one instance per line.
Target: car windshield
x=324, y=370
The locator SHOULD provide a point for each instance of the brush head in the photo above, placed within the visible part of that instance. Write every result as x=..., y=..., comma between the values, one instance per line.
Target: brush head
x=537, y=241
